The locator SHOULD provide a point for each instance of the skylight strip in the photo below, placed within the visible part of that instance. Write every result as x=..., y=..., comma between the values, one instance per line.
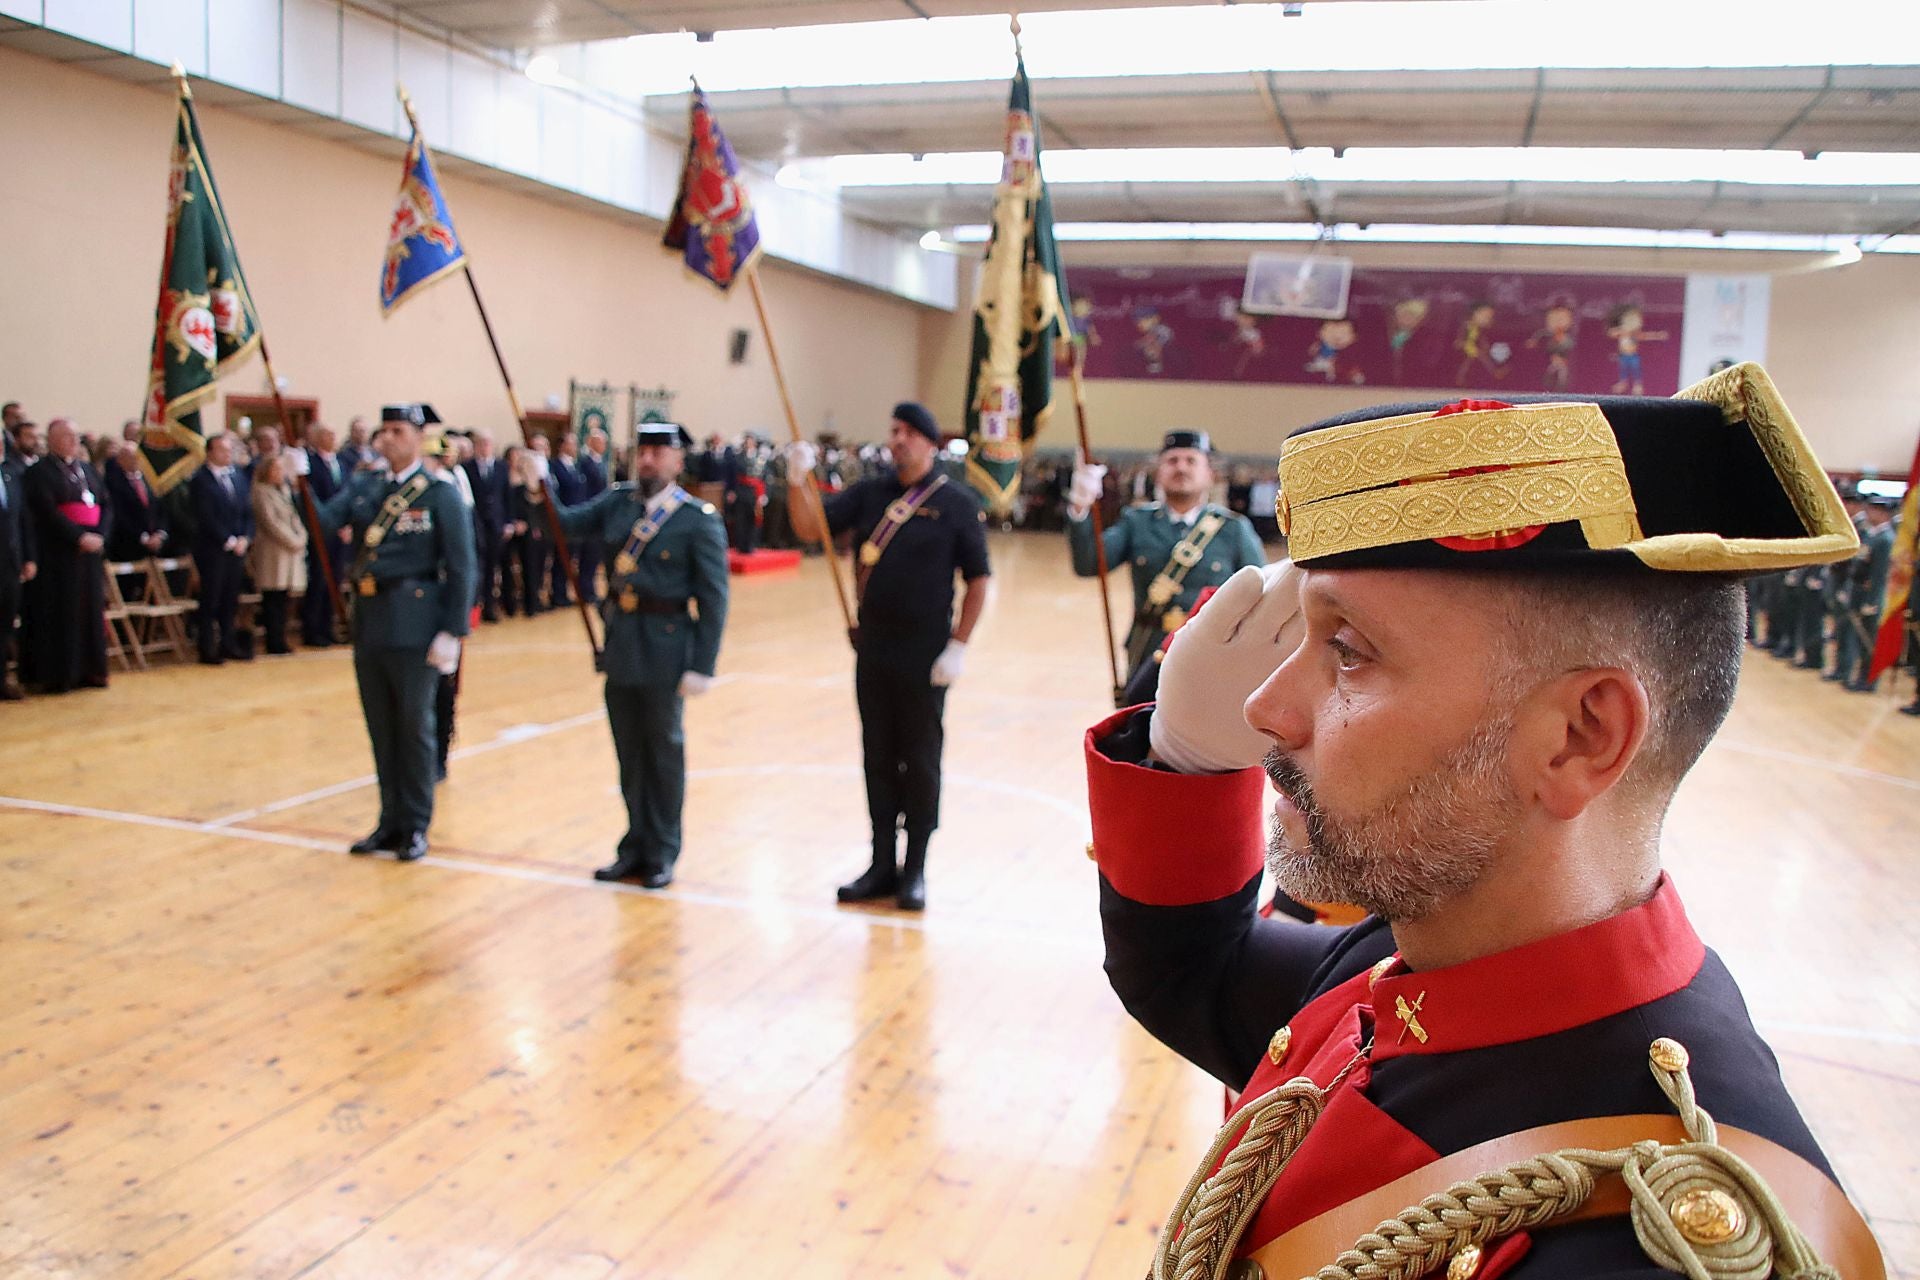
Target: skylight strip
x=1415, y=233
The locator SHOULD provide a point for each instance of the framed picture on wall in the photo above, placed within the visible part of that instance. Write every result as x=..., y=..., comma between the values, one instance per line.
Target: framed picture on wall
x=1297, y=284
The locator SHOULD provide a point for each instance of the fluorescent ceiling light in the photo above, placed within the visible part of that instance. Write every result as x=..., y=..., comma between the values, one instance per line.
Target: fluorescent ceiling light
x=1845, y=248
x=1386, y=35
x=1372, y=164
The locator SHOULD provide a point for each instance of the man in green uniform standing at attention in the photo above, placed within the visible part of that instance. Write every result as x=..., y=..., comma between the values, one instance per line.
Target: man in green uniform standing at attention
x=1176, y=548
x=411, y=586
x=666, y=605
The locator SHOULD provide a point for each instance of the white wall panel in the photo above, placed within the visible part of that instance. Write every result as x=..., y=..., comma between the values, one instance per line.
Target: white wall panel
x=519, y=124
x=423, y=70
x=367, y=74
x=166, y=31
x=598, y=129
x=310, y=55
x=559, y=159
x=473, y=111
x=664, y=161
x=628, y=162
x=107, y=22
x=25, y=10
x=243, y=45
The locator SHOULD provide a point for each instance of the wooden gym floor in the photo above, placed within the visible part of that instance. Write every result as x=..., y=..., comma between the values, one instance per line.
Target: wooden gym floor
x=227, y=1049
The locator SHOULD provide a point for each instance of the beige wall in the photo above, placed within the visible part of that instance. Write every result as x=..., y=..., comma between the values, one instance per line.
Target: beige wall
x=1843, y=345
x=573, y=293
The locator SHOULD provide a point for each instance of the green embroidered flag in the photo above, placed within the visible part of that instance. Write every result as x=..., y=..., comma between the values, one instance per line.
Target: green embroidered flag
x=205, y=321
x=1018, y=315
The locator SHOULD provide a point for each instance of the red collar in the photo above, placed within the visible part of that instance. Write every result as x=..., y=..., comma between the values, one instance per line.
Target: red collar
x=1542, y=988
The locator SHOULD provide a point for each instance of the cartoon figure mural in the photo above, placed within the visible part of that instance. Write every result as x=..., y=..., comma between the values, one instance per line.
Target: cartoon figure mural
x=1248, y=341
x=1325, y=354
x=1475, y=348
x=1556, y=333
x=1625, y=327
x=1408, y=315
x=1154, y=338
x=1080, y=323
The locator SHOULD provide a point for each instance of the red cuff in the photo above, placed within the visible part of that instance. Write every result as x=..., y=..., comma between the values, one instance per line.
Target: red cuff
x=1171, y=839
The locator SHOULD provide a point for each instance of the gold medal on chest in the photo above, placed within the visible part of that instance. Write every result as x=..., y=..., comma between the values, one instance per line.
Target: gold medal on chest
x=869, y=554
x=624, y=563
x=629, y=600
x=374, y=534
x=368, y=587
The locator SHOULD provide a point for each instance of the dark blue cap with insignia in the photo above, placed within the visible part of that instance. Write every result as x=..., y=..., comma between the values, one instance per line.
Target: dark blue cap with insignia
x=670, y=435
x=420, y=415
x=917, y=417
x=1186, y=438
x=1718, y=479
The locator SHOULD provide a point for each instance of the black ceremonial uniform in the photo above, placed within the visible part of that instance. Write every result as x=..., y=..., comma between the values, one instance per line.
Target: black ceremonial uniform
x=906, y=619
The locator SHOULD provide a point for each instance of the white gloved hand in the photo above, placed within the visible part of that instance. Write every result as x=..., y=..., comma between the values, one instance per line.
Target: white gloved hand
x=1215, y=662
x=1086, y=489
x=693, y=684
x=443, y=655
x=298, y=462
x=948, y=666
x=801, y=458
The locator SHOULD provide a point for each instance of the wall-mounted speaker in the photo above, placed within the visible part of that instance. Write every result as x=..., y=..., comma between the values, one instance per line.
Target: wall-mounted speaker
x=737, y=347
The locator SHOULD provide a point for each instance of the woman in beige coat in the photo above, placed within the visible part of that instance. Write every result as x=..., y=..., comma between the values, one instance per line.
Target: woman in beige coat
x=278, y=557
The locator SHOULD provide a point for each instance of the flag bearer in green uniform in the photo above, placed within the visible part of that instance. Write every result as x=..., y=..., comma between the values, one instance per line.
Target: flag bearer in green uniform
x=666, y=605
x=411, y=583
x=1176, y=548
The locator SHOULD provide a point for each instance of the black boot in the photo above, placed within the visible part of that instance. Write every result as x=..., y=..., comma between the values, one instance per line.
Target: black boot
x=879, y=880
x=913, y=874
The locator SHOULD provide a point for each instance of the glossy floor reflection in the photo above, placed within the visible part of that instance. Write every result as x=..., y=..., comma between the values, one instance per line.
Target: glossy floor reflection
x=227, y=1049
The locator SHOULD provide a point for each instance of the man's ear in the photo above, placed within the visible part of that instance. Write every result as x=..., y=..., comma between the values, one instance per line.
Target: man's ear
x=1588, y=727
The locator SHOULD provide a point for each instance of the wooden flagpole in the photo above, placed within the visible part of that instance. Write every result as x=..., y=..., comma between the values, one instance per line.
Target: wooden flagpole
x=315, y=531
x=793, y=425
x=1099, y=519
x=526, y=433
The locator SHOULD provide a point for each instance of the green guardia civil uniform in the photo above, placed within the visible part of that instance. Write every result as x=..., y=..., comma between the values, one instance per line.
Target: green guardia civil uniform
x=1171, y=563
x=665, y=609
x=413, y=576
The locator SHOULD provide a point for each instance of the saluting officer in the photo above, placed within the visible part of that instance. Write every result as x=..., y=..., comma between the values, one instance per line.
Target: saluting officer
x=1176, y=548
x=917, y=528
x=411, y=586
x=665, y=609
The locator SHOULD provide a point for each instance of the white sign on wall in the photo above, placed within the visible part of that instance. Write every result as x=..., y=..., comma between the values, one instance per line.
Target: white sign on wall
x=1726, y=320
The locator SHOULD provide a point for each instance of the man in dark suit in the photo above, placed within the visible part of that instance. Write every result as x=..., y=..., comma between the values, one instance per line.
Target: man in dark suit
x=358, y=447
x=569, y=485
x=597, y=470
x=223, y=527
x=327, y=473
x=139, y=524
x=487, y=477
x=17, y=562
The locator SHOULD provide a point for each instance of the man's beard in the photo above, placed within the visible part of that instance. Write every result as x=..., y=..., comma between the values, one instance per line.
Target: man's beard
x=1409, y=855
x=647, y=486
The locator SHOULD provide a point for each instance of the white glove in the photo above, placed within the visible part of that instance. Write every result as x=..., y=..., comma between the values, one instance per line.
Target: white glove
x=801, y=458
x=1086, y=489
x=1214, y=664
x=443, y=655
x=948, y=666
x=693, y=684
x=298, y=462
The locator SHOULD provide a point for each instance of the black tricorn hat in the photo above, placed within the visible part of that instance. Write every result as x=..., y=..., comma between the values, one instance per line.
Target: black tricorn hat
x=1187, y=438
x=670, y=434
x=1718, y=479
x=420, y=415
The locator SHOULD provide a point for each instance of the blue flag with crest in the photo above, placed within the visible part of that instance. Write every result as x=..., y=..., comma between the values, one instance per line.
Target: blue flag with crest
x=422, y=245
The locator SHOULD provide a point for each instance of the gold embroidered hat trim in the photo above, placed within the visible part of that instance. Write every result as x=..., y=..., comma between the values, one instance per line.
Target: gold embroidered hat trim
x=1482, y=473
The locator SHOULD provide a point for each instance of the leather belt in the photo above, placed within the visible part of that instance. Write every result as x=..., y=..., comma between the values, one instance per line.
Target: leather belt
x=634, y=602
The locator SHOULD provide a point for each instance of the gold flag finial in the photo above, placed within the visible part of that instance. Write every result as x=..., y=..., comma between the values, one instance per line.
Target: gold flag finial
x=179, y=74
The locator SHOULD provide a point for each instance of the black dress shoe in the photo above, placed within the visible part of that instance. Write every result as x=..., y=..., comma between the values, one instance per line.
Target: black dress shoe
x=656, y=879
x=620, y=870
x=211, y=659
x=412, y=848
x=374, y=841
x=874, y=883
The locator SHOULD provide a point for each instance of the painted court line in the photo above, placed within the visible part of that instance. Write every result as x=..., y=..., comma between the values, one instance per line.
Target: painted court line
x=1812, y=762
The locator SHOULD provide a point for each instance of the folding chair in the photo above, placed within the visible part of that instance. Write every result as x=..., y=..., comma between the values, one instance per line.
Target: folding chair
x=171, y=609
x=160, y=616
x=123, y=637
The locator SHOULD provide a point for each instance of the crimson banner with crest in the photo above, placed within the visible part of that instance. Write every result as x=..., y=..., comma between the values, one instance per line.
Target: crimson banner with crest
x=205, y=322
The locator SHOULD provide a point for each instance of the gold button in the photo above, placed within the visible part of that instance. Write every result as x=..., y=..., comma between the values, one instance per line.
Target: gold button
x=1668, y=1055
x=1278, y=1046
x=1378, y=972
x=1707, y=1215
x=1090, y=856
x=1246, y=1269
x=1465, y=1264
